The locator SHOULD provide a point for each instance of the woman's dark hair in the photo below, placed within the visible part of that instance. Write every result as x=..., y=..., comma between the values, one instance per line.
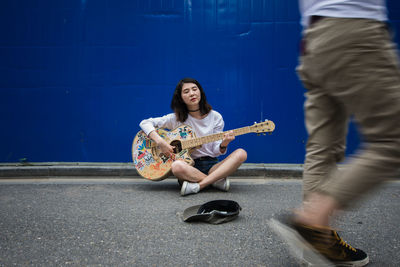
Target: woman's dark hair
x=180, y=108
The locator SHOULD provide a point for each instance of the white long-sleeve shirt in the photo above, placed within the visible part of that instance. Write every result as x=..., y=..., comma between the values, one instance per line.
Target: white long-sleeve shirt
x=211, y=124
x=366, y=9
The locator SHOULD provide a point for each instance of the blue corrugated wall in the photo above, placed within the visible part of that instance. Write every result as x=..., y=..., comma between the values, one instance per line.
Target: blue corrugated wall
x=77, y=77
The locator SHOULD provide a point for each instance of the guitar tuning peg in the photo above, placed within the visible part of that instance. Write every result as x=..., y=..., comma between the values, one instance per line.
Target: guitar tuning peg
x=266, y=120
x=264, y=134
x=255, y=122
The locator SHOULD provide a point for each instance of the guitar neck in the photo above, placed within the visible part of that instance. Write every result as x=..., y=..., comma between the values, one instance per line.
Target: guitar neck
x=195, y=142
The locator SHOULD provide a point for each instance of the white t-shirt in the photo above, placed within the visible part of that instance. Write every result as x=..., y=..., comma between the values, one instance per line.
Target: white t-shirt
x=367, y=9
x=211, y=124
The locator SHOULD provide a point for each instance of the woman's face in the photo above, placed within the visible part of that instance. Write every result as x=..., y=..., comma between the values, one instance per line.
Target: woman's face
x=191, y=95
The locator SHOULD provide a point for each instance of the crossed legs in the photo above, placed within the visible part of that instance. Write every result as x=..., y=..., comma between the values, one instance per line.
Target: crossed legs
x=221, y=170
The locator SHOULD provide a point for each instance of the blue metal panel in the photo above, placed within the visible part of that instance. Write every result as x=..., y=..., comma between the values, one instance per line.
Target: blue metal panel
x=77, y=76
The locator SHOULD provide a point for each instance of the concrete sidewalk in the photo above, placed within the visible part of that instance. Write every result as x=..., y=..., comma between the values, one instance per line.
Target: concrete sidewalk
x=126, y=170
x=140, y=224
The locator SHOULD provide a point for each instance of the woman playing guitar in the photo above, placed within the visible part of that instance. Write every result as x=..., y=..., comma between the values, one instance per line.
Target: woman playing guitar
x=190, y=107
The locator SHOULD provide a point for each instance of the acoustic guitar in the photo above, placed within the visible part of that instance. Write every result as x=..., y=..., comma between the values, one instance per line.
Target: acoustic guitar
x=151, y=164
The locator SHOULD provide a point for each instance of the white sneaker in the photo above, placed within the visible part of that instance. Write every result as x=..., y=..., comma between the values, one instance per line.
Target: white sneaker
x=222, y=184
x=189, y=188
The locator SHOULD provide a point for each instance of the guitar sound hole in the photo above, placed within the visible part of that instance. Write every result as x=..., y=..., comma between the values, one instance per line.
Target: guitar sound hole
x=178, y=146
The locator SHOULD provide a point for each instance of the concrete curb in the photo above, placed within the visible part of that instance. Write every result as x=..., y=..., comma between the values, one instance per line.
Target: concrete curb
x=126, y=170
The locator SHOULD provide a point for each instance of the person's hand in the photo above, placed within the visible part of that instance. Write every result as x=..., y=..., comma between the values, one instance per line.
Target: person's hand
x=166, y=148
x=228, y=137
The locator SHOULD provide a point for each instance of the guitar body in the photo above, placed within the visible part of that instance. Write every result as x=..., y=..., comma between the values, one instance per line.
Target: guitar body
x=148, y=159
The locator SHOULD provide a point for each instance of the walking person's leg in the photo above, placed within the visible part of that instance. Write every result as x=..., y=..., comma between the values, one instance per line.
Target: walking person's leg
x=359, y=70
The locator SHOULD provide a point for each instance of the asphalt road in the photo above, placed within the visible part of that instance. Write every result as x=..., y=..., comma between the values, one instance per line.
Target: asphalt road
x=133, y=222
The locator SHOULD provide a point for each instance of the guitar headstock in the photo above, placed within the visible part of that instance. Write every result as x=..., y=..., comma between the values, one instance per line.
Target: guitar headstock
x=262, y=127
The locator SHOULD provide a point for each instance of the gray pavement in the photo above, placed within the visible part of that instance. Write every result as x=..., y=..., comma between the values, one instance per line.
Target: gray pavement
x=121, y=221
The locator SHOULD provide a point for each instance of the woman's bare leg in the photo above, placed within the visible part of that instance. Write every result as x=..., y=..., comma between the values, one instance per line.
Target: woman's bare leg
x=185, y=172
x=230, y=164
x=224, y=168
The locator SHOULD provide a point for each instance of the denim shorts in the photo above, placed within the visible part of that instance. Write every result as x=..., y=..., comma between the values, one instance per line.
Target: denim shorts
x=204, y=164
